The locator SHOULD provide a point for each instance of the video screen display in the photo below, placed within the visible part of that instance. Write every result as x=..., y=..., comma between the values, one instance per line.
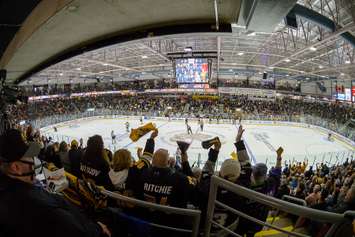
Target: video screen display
x=191, y=70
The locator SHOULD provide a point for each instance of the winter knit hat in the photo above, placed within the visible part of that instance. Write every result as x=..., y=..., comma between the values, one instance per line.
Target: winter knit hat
x=230, y=170
x=259, y=170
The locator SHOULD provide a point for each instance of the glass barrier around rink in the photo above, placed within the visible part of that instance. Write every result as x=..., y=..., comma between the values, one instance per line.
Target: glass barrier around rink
x=314, y=159
x=342, y=129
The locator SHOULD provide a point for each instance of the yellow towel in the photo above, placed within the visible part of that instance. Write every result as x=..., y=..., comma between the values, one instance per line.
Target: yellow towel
x=234, y=155
x=139, y=132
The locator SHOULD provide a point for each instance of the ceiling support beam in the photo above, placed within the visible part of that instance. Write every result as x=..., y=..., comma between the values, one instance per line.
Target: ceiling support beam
x=110, y=64
x=155, y=51
x=218, y=55
x=216, y=14
x=319, y=43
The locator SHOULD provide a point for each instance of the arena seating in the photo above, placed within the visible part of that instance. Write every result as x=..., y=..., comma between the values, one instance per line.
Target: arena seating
x=305, y=200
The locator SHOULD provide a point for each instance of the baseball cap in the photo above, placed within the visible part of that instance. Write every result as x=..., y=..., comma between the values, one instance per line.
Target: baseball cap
x=13, y=147
x=230, y=169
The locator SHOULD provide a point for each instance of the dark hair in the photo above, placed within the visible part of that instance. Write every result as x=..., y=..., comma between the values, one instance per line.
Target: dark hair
x=63, y=146
x=94, y=149
x=324, y=194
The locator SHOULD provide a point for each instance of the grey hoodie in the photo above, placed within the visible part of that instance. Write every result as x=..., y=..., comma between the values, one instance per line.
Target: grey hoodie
x=118, y=179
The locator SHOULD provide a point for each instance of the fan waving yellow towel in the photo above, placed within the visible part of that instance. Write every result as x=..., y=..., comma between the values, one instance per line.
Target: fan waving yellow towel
x=139, y=132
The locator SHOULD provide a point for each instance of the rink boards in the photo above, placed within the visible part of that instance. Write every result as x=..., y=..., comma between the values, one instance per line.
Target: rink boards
x=261, y=138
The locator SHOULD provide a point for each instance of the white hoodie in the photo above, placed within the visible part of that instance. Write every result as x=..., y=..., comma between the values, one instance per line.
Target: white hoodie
x=119, y=178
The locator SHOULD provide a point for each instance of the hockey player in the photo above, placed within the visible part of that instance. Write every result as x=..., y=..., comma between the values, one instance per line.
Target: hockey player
x=113, y=137
x=330, y=137
x=189, y=130
x=55, y=129
x=127, y=126
x=186, y=121
x=141, y=119
x=201, y=125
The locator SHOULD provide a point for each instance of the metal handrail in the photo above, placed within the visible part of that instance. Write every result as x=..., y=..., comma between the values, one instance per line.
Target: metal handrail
x=216, y=182
x=194, y=214
x=308, y=119
x=294, y=199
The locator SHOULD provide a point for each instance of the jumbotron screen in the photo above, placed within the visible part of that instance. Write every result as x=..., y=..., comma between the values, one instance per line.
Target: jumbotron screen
x=191, y=70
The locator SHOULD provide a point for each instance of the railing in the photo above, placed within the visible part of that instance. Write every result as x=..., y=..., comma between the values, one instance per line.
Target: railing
x=193, y=214
x=294, y=200
x=226, y=117
x=329, y=158
x=320, y=216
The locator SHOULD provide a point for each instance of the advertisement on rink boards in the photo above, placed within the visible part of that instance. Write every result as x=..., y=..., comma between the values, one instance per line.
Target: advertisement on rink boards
x=248, y=91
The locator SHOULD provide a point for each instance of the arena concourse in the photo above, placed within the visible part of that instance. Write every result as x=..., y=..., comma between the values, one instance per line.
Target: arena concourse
x=177, y=118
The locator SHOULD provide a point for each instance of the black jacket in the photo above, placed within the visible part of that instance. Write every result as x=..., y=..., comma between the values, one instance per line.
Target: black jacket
x=97, y=170
x=75, y=158
x=135, y=172
x=28, y=210
x=166, y=187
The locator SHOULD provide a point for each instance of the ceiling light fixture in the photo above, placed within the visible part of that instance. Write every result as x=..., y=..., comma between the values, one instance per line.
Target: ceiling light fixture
x=287, y=60
x=72, y=8
x=313, y=48
x=320, y=66
x=347, y=62
x=105, y=64
x=251, y=34
x=342, y=74
x=79, y=69
x=271, y=68
x=188, y=49
x=240, y=54
x=231, y=70
x=144, y=56
x=61, y=74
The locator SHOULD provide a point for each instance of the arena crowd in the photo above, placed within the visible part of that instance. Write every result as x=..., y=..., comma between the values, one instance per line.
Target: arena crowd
x=154, y=175
x=330, y=115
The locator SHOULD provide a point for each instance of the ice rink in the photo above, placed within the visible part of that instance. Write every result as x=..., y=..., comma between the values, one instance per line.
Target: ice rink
x=261, y=139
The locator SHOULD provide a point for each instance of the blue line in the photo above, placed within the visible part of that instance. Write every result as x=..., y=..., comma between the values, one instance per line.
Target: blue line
x=249, y=151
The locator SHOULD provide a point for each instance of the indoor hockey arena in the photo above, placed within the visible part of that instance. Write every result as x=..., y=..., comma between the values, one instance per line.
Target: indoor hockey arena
x=177, y=118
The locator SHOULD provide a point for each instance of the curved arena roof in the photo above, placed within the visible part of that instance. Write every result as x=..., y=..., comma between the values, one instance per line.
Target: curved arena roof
x=76, y=41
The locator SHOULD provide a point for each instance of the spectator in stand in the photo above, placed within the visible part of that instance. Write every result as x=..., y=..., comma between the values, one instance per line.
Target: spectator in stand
x=283, y=189
x=300, y=190
x=160, y=184
x=133, y=181
x=313, y=198
x=51, y=156
x=75, y=155
x=94, y=164
x=63, y=155
x=24, y=205
x=121, y=163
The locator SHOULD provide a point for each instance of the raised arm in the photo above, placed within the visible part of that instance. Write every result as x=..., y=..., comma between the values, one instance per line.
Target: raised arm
x=209, y=167
x=242, y=153
x=150, y=144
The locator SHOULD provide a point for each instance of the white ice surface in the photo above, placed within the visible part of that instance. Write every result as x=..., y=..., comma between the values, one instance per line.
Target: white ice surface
x=261, y=140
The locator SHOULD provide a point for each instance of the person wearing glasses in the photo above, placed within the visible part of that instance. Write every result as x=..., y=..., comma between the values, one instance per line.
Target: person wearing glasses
x=28, y=209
